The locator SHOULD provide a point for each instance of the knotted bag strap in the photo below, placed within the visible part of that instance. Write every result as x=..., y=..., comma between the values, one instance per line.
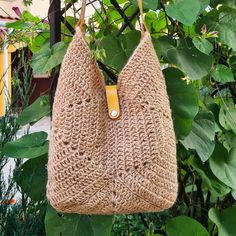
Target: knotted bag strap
x=140, y=5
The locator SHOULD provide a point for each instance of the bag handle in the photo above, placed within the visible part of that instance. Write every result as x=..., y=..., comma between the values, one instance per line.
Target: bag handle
x=82, y=15
x=140, y=5
x=142, y=23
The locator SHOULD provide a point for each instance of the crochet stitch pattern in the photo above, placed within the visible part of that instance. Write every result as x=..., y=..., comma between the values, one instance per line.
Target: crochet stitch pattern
x=102, y=166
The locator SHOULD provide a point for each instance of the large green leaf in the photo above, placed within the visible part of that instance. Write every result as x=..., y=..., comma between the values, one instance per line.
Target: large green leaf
x=225, y=220
x=185, y=226
x=222, y=74
x=129, y=42
x=115, y=56
x=227, y=117
x=35, y=111
x=73, y=224
x=60, y=225
x=47, y=58
x=183, y=101
x=32, y=178
x=186, y=57
x=119, y=50
x=203, y=45
x=226, y=28
x=185, y=11
x=29, y=146
x=101, y=225
x=223, y=165
x=210, y=182
x=202, y=135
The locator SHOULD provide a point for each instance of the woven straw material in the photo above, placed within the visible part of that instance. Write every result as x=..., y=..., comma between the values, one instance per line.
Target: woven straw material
x=102, y=166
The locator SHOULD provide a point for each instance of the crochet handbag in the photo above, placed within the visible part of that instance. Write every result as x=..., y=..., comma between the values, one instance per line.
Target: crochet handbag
x=112, y=148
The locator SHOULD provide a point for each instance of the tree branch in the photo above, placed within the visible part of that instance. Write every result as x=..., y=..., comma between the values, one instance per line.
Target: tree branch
x=68, y=25
x=121, y=12
x=124, y=26
x=111, y=75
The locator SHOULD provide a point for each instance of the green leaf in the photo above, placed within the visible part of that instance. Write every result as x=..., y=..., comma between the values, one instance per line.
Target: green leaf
x=229, y=140
x=18, y=25
x=215, y=109
x=40, y=41
x=56, y=224
x=73, y=224
x=29, y=146
x=115, y=56
x=150, y=17
x=203, y=5
x=35, y=111
x=202, y=135
x=227, y=117
x=129, y=42
x=214, y=216
x=210, y=20
x=210, y=182
x=228, y=3
x=233, y=193
x=147, y=4
x=222, y=74
x=101, y=225
x=186, y=57
x=185, y=226
x=27, y=16
x=32, y=178
x=119, y=50
x=185, y=11
x=223, y=165
x=47, y=58
x=225, y=220
x=203, y=45
x=183, y=101
x=165, y=44
x=226, y=28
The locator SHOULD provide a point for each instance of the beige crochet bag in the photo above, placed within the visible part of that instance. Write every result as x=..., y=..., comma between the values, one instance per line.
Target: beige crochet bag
x=112, y=149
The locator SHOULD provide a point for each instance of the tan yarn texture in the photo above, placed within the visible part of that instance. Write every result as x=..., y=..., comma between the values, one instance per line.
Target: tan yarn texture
x=102, y=166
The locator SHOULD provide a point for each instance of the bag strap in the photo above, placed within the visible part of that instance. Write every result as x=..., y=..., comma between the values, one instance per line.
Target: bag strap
x=142, y=23
x=140, y=5
x=82, y=15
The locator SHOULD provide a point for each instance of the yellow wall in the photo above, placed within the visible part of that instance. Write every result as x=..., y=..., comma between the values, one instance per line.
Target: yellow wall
x=38, y=8
x=1, y=85
x=2, y=102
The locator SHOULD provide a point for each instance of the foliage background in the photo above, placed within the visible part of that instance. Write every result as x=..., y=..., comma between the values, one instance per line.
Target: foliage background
x=195, y=42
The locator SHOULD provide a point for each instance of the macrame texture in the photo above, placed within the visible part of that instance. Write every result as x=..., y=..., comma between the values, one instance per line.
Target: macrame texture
x=102, y=166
